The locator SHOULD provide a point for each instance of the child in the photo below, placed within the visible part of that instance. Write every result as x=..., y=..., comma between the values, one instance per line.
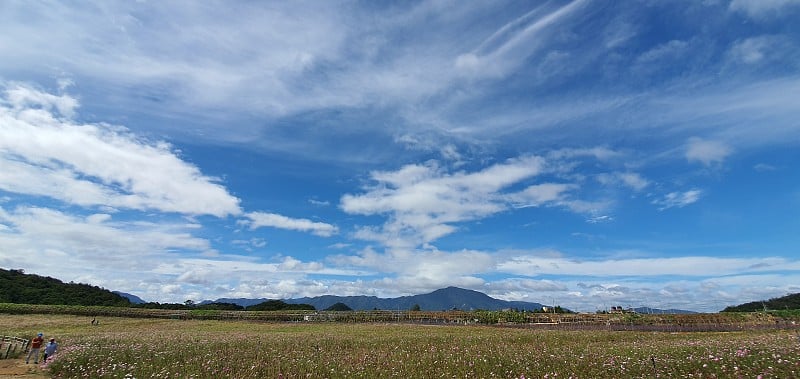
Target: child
x=50, y=349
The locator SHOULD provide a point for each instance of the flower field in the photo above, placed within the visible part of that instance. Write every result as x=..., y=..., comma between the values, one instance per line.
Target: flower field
x=158, y=348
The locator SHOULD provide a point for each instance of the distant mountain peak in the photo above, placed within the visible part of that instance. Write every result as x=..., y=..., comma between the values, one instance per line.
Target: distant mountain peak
x=441, y=299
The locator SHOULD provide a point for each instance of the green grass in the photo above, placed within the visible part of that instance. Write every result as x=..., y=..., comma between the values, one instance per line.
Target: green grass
x=159, y=348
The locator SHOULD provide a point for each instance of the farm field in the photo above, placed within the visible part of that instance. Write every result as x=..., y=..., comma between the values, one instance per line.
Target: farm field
x=161, y=348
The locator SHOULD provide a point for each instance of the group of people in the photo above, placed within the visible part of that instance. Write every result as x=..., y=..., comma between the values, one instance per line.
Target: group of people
x=36, y=346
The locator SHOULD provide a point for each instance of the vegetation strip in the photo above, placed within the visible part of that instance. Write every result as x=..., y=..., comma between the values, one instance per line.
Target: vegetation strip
x=147, y=348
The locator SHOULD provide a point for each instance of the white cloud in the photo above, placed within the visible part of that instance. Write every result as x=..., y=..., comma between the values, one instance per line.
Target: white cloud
x=763, y=51
x=763, y=167
x=523, y=289
x=426, y=74
x=751, y=50
x=262, y=219
x=540, y=194
x=21, y=98
x=633, y=180
x=760, y=9
x=93, y=243
x=663, y=53
x=514, y=42
x=96, y=164
x=706, y=152
x=629, y=179
x=292, y=264
x=433, y=267
x=599, y=153
x=423, y=200
x=599, y=219
x=678, y=199
x=701, y=266
x=251, y=243
x=127, y=47
x=319, y=202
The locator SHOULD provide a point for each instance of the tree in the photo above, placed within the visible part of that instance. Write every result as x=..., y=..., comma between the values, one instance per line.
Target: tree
x=339, y=307
x=221, y=306
x=278, y=305
x=416, y=307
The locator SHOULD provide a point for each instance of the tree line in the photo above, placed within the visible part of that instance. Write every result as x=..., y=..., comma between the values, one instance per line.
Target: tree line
x=17, y=287
x=787, y=302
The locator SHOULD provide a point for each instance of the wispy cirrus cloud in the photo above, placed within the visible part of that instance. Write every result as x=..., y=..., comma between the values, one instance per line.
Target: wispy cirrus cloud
x=760, y=9
x=662, y=266
x=514, y=42
x=631, y=180
x=678, y=199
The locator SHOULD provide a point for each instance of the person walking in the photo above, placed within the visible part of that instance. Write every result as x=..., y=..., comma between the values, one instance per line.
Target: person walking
x=36, y=345
x=50, y=349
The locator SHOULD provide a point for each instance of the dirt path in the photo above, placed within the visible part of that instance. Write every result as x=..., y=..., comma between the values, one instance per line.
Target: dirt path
x=17, y=369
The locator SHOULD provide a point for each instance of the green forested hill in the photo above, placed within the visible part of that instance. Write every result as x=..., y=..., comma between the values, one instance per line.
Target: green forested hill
x=18, y=287
x=779, y=303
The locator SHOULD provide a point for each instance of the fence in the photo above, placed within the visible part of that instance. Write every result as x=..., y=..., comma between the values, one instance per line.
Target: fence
x=10, y=346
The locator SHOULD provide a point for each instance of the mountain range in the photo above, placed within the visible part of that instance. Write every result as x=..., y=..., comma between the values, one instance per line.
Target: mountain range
x=441, y=299
x=19, y=287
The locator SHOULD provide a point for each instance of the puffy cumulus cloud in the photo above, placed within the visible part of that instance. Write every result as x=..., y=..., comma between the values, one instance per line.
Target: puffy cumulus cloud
x=423, y=200
x=234, y=276
x=64, y=245
x=44, y=152
x=158, y=261
x=678, y=199
x=706, y=152
x=21, y=98
x=33, y=230
x=292, y=264
x=257, y=220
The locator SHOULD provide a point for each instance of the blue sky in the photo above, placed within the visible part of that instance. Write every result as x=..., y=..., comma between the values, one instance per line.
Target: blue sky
x=587, y=153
